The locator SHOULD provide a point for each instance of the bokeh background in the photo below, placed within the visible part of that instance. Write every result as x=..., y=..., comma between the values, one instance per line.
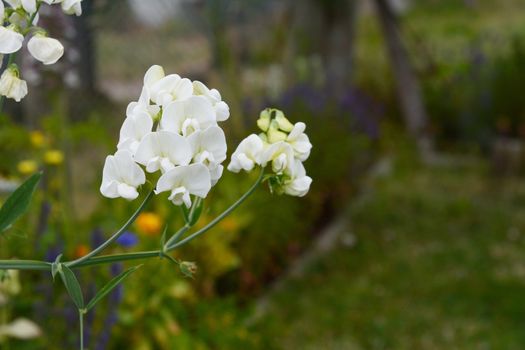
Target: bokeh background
x=412, y=235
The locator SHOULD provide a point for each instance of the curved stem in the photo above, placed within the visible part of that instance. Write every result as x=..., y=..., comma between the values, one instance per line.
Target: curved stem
x=220, y=217
x=114, y=237
x=104, y=259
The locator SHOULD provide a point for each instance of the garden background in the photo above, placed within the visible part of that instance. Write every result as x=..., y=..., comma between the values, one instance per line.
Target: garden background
x=412, y=234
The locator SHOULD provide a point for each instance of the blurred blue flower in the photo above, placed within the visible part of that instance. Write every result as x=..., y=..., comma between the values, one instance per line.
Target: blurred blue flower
x=128, y=239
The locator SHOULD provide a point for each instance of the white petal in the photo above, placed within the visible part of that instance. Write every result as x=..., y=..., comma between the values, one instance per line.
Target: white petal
x=297, y=130
x=10, y=41
x=21, y=328
x=133, y=130
x=247, y=154
x=127, y=192
x=195, y=178
x=29, y=5
x=222, y=111
x=46, y=50
x=184, y=117
x=163, y=144
x=153, y=74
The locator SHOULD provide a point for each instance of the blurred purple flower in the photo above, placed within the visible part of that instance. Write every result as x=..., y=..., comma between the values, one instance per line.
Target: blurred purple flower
x=128, y=239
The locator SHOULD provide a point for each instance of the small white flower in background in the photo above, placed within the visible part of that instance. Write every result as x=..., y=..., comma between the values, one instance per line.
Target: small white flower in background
x=172, y=128
x=163, y=150
x=121, y=176
x=11, y=86
x=10, y=40
x=247, y=155
x=21, y=328
x=187, y=116
x=46, y=50
x=283, y=146
x=184, y=181
x=9, y=282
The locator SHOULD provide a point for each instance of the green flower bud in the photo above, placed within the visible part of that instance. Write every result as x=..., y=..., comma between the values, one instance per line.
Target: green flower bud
x=264, y=120
x=274, y=135
x=188, y=268
x=284, y=124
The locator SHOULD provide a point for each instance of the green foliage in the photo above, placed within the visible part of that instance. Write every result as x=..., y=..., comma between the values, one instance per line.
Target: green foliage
x=18, y=202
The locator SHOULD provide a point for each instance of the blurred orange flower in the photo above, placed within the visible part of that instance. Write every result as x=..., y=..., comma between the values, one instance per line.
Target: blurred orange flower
x=230, y=224
x=149, y=223
x=81, y=250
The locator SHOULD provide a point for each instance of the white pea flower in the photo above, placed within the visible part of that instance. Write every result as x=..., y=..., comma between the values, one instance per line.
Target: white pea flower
x=170, y=88
x=153, y=75
x=298, y=184
x=163, y=150
x=299, y=141
x=133, y=130
x=185, y=117
x=222, y=111
x=184, y=181
x=46, y=50
x=281, y=156
x=209, y=148
x=143, y=105
x=247, y=155
x=10, y=40
x=71, y=7
x=121, y=176
x=21, y=328
x=11, y=86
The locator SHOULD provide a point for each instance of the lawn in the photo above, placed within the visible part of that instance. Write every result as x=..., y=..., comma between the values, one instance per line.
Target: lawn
x=438, y=263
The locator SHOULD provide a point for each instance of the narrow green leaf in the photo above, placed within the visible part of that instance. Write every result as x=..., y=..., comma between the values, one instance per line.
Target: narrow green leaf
x=163, y=237
x=196, y=211
x=18, y=201
x=110, y=286
x=72, y=285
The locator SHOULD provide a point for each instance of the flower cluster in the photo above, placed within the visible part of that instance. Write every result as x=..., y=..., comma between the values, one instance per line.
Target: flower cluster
x=172, y=129
x=283, y=146
x=19, y=19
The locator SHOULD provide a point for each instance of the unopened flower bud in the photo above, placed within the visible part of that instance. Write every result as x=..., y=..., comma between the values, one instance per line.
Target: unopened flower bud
x=188, y=268
x=274, y=135
x=264, y=120
x=284, y=124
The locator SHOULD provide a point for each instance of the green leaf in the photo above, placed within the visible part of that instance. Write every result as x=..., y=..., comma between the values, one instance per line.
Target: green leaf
x=18, y=201
x=185, y=214
x=196, y=211
x=110, y=286
x=72, y=285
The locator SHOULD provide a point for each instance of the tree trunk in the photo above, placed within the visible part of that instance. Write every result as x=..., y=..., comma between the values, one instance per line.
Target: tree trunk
x=407, y=82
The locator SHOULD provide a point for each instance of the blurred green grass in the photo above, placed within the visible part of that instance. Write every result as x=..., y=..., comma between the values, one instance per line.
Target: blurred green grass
x=439, y=263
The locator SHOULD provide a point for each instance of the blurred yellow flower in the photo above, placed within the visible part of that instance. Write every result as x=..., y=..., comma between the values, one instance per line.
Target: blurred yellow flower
x=81, y=250
x=37, y=139
x=54, y=157
x=149, y=223
x=27, y=167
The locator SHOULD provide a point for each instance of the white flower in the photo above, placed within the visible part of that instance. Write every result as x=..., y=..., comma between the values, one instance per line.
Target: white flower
x=71, y=7
x=163, y=150
x=10, y=40
x=46, y=50
x=299, y=141
x=121, y=176
x=298, y=183
x=184, y=181
x=142, y=105
x=209, y=148
x=185, y=117
x=153, y=75
x=29, y=6
x=21, y=328
x=247, y=155
x=280, y=154
x=12, y=86
x=222, y=111
x=169, y=88
x=133, y=130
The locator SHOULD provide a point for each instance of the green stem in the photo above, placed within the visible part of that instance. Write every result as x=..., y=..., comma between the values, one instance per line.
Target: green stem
x=91, y=260
x=220, y=217
x=81, y=319
x=116, y=235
